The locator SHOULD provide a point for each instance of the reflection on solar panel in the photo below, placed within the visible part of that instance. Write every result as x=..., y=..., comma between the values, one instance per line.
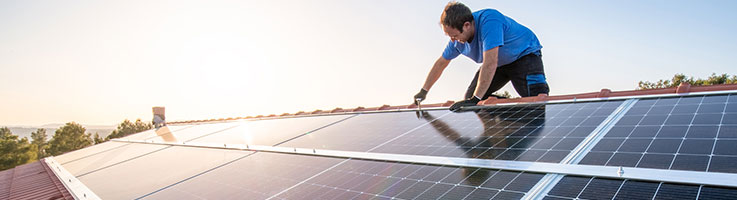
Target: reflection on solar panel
x=543, y=133
x=658, y=147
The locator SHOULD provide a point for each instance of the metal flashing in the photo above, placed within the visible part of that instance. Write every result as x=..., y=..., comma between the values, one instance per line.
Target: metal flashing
x=71, y=183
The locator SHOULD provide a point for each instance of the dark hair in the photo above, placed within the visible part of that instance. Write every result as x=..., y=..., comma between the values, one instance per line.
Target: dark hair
x=455, y=14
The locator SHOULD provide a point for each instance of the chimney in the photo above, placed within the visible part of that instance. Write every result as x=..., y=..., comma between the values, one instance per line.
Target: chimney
x=159, y=117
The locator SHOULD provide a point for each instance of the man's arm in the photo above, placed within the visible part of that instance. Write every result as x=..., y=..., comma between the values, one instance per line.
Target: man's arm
x=488, y=68
x=435, y=72
x=486, y=73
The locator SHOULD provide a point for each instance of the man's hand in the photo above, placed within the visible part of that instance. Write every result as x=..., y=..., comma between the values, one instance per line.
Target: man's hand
x=468, y=102
x=420, y=96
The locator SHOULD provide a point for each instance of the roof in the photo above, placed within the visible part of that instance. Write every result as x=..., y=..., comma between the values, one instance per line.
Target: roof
x=666, y=143
x=31, y=181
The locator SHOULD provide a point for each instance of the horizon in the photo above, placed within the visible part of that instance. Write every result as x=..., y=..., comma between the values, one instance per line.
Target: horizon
x=103, y=62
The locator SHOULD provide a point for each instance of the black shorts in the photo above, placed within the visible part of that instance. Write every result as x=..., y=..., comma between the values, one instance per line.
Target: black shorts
x=526, y=73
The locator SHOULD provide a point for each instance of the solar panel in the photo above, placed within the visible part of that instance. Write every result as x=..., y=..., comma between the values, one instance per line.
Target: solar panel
x=284, y=176
x=361, y=133
x=533, y=132
x=257, y=176
x=272, y=131
x=95, y=162
x=143, y=174
x=578, y=187
x=695, y=133
x=407, y=181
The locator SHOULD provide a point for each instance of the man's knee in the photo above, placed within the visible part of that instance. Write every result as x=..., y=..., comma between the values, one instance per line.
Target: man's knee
x=537, y=84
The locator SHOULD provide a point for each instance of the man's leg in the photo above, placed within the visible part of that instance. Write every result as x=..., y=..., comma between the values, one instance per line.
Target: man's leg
x=500, y=79
x=528, y=76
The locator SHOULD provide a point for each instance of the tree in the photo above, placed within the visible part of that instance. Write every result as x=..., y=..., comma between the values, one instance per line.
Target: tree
x=677, y=79
x=97, y=139
x=127, y=127
x=14, y=151
x=68, y=138
x=504, y=94
x=38, y=140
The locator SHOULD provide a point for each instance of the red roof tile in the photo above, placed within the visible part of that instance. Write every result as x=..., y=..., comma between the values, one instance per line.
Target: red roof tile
x=32, y=181
x=603, y=93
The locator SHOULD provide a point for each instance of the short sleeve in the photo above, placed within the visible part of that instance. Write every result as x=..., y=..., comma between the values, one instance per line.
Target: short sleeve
x=492, y=33
x=450, y=51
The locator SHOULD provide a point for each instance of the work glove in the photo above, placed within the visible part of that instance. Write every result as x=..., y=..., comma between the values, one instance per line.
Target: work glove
x=420, y=96
x=465, y=103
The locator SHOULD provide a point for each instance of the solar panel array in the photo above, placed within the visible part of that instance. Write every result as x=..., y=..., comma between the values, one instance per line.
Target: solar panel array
x=696, y=133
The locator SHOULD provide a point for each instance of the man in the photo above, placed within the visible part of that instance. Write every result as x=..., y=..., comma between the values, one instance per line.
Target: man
x=506, y=50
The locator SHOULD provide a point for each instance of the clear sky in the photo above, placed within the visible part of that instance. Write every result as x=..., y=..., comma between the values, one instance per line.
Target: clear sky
x=100, y=62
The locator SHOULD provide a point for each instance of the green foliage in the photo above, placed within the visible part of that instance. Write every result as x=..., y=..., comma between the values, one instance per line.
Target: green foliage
x=505, y=94
x=14, y=151
x=97, y=139
x=68, y=138
x=677, y=79
x=38, y=139
x=127, y=127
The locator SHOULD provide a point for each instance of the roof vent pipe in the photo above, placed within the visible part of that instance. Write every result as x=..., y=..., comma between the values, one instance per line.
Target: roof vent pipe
x=159, y=117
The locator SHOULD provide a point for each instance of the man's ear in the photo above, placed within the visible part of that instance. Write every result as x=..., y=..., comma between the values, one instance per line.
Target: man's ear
x=466, y=26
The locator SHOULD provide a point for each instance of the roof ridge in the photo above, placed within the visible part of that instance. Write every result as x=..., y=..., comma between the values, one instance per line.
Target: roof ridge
x=603, y=93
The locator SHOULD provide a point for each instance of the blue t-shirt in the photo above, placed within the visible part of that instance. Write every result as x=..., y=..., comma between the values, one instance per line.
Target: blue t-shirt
x=495, y=30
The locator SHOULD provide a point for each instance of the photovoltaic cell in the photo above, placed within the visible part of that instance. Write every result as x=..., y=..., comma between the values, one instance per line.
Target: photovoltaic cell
x=692, y=133
x=578, y=187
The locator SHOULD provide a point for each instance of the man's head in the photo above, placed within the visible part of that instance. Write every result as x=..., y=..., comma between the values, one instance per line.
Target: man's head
x=457, y=22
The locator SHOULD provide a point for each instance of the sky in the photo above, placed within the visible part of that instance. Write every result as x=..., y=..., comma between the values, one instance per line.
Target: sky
x=100, y=62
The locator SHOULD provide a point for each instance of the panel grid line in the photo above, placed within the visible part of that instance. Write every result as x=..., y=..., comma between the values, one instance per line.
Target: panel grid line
x=307, y=179
x=405, y=133
x=196, y=175
x=719, y=130
x=317, y=129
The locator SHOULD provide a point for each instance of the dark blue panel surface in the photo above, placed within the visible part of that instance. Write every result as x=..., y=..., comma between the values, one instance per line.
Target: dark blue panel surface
x=386, y=180
x=683, y=133
x=577, y=187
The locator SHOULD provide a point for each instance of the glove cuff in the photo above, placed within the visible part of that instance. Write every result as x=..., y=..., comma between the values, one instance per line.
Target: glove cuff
x=474, y=99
